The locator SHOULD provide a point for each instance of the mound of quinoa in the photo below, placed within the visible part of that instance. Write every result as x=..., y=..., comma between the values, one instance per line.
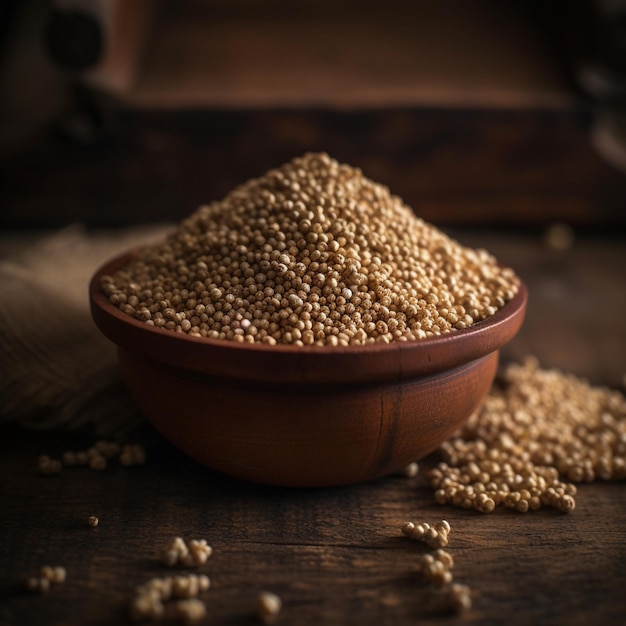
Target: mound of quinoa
x=312, y=252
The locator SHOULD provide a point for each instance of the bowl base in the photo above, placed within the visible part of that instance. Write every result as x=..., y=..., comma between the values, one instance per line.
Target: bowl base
x=306, y=436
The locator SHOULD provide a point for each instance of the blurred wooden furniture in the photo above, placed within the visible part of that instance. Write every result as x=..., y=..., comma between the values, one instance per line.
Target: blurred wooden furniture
x=470, y=113
x=347, y=54
x=481, y=168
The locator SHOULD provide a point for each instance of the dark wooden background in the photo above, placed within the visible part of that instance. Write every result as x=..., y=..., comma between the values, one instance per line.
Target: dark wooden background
x=476, y=115
x=521, y=169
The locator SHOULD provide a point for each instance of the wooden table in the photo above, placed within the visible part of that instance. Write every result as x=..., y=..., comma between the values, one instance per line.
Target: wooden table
x=335, y=556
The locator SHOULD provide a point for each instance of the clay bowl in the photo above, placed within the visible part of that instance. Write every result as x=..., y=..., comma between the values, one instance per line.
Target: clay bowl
x=306, y=417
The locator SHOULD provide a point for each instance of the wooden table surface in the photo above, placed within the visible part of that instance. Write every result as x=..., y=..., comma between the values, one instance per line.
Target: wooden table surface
x=335, y=556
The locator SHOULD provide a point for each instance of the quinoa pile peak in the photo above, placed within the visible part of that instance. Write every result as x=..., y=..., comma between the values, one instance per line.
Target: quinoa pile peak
x=310, y=253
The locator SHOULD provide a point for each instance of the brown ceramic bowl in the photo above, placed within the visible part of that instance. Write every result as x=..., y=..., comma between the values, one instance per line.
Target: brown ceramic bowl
x=307, y=417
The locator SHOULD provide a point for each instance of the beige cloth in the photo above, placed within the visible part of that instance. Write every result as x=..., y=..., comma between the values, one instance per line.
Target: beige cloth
x=56, y=369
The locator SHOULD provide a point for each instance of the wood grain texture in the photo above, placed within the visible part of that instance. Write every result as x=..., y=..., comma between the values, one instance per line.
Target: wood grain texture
x=335, y=556
x=312, y=436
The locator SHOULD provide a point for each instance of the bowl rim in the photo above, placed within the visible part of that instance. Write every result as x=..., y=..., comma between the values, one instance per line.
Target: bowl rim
x=284, y=363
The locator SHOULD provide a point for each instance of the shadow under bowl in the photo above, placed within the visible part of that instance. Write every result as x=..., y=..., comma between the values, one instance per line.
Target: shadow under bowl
x=305, y=416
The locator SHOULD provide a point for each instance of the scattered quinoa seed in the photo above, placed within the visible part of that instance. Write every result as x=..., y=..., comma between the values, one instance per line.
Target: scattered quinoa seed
x=436, y=566
x=530, y=441
x=411, y=470
x=33, y=583
x=146, y=607
x=435, y=570
x=191, y=610
x=97, y=462
x=132, y=454
x=445, y=557
x=97, y=457
x=175, y=552
x=93, y=521
x=37, y=584
x=460, y=598
x=58, y=575
x=81, y=458
x=108, y=449
x=149, y=602
x=269, y=606
x=435, y=535
x=199, y=552
x=195, y=553
x=47, y=577
x=69, y=458
x=48, y=466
